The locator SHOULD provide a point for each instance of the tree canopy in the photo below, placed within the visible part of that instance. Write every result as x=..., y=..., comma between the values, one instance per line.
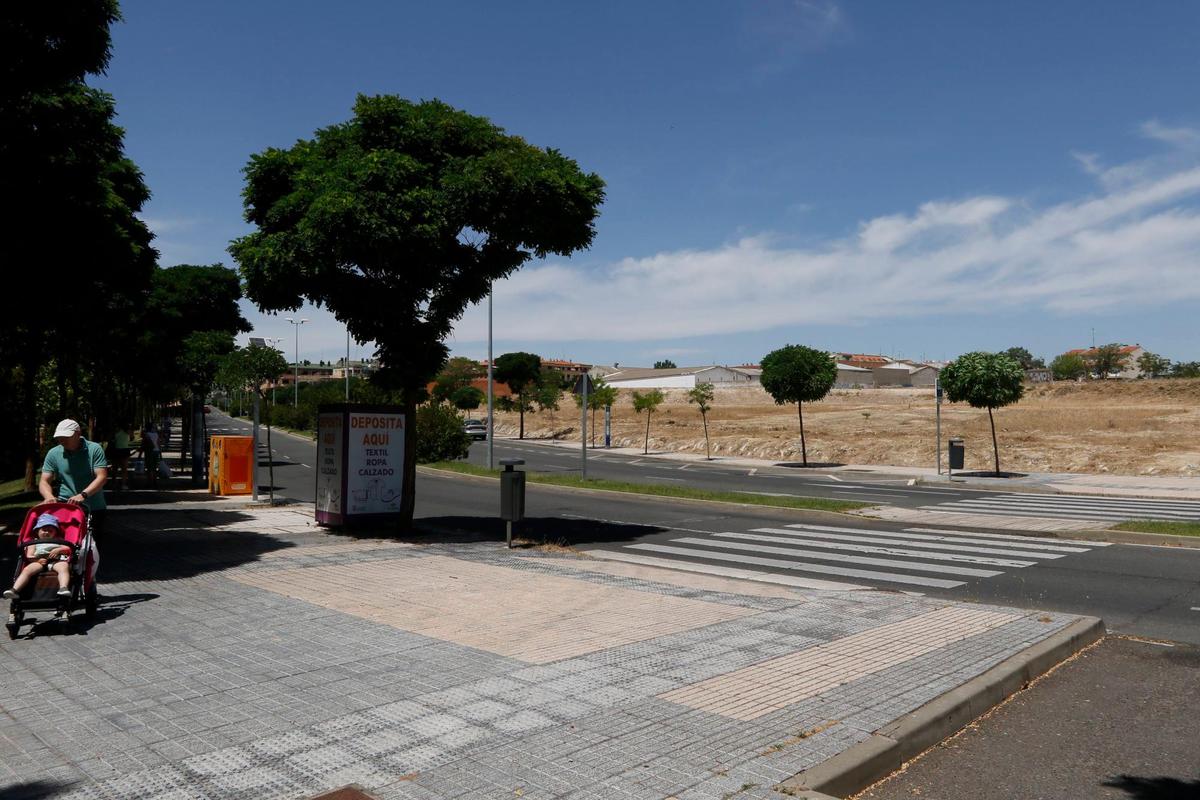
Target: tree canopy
x=798, y=374
x=666, y=363
x=399, y=219
x=984, y=380
x=1024, y=358
x=702, y=396
x=1068, y=367
x=73, y=199
x=1107, y=360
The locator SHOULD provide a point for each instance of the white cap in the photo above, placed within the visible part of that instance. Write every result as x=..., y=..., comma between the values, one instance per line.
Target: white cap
x=66, y=429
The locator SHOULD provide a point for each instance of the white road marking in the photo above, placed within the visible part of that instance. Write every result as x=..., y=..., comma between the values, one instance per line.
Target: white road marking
x=725, y=572
x=940, y=536
x=915, y=542
x=962, y=558
x=751, y=472
x=1009, y=537
x=800, y=566
x=821, y=555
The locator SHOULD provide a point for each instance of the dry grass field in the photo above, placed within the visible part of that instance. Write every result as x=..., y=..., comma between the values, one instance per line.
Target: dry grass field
x=1119, y=427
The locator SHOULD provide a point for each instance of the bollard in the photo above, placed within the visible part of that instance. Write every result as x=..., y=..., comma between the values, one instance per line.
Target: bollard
x=512, y=495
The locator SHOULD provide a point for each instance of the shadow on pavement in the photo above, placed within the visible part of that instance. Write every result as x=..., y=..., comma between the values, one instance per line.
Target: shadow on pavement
x=809, y=465
x=552, y=530
x=991, y=474
x=167, y=544
x=1156, y=788
x=33, y=790
x=111, y=607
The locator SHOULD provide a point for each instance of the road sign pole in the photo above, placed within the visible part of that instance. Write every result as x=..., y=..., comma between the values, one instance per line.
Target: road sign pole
x=583, y=414
x=937, y=399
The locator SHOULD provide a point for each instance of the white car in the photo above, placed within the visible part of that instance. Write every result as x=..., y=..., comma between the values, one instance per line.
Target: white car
x=475, y=428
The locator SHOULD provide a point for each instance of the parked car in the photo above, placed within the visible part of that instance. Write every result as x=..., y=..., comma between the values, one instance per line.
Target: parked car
x=475, y=428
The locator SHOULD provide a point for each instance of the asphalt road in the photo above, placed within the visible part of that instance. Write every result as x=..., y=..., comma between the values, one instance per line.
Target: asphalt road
x=1118, y=722
x=1138, y=590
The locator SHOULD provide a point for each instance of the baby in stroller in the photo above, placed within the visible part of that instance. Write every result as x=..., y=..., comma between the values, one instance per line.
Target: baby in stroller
x=56, y=562
x=47, y=553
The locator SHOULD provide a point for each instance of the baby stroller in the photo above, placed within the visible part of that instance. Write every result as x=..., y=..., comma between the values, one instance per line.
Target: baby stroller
x=42, y=593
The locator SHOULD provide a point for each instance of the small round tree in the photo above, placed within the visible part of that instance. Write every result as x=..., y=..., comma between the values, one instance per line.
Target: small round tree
x=798, y=374
x=648, y=402
x=985, y=380
x=702, y=396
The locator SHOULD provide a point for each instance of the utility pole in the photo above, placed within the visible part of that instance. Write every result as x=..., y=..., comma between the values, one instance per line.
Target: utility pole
x=296, y=401
x=490, y=431
x=347, y=364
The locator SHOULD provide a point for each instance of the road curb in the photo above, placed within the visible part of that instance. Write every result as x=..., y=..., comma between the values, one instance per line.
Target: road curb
x=891, y=746
x=1135, y=537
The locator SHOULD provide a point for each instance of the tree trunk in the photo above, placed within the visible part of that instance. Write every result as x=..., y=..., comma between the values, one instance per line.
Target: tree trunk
x=270, y=455
x=521, y=414
x=646, y=448
x=31, y=425
x=803, y=446
x=408, y=500
x=593, y=431
x=995, y=447
x=707, y=449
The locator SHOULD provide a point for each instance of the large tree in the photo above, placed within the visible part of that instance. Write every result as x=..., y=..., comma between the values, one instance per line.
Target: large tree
x=522, y=373
x=985, y=380
x=1107, y=360
x=1024, y=357
x=73, y=198
x=798, y=374
x=1068, y=367
x=398, y=220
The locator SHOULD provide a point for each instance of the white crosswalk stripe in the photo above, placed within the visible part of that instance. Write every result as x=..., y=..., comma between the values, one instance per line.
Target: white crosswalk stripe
x=1105, y=509
x=809, y=554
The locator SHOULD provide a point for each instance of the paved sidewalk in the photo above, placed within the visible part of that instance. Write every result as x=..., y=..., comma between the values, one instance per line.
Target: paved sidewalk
x=246, y=653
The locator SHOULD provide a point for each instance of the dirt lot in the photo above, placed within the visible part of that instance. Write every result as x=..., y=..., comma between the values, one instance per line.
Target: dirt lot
x=1120, y=427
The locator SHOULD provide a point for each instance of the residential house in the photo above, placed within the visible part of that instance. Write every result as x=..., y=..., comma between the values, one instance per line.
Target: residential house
x=1130, y=353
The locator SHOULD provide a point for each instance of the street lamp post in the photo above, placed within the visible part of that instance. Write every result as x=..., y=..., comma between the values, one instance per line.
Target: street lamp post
x=274, y=340
x=297, y=323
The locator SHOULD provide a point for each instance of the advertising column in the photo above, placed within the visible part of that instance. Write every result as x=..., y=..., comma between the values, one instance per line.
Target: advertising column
x=331, y=465
x=375, y=476
x=360, y=463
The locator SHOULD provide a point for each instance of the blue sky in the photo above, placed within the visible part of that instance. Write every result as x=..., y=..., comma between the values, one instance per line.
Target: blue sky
x=915, y=179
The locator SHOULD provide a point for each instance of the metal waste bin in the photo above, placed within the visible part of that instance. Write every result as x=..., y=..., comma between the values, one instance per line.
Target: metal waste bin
x=957, y=454
x=512, y=495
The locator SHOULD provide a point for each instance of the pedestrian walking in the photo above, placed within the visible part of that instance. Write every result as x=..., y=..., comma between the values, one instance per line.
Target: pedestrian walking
x=75, y=471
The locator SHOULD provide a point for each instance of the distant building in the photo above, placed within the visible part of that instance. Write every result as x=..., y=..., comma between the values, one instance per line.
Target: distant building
x=752, y=371
x=1039, y=375
x=677, y=378
x=849, y=377
x=569, y=369
x=905, y=373
x=308, y=373
x=1130, y=353
x=863, y=360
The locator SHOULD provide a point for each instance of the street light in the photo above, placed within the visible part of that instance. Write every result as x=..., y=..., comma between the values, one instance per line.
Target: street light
x=297, y=323
x=274, y=340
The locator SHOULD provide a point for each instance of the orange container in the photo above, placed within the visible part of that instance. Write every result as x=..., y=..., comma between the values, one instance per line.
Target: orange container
x=231, y=465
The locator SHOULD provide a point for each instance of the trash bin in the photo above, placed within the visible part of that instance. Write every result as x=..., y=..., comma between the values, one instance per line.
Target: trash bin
x=957, y=453
x=512, y=495
x=231, y=465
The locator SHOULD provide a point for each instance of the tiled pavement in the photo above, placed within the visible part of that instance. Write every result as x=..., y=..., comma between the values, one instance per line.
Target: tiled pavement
x=247, y=654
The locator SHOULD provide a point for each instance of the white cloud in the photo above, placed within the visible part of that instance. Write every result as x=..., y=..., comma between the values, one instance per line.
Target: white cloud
x=1179, y=137
x=1134, y=244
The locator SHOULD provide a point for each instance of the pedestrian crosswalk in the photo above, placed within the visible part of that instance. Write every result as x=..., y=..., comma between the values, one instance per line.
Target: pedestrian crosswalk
x=1109, y=509
x=822, y=556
